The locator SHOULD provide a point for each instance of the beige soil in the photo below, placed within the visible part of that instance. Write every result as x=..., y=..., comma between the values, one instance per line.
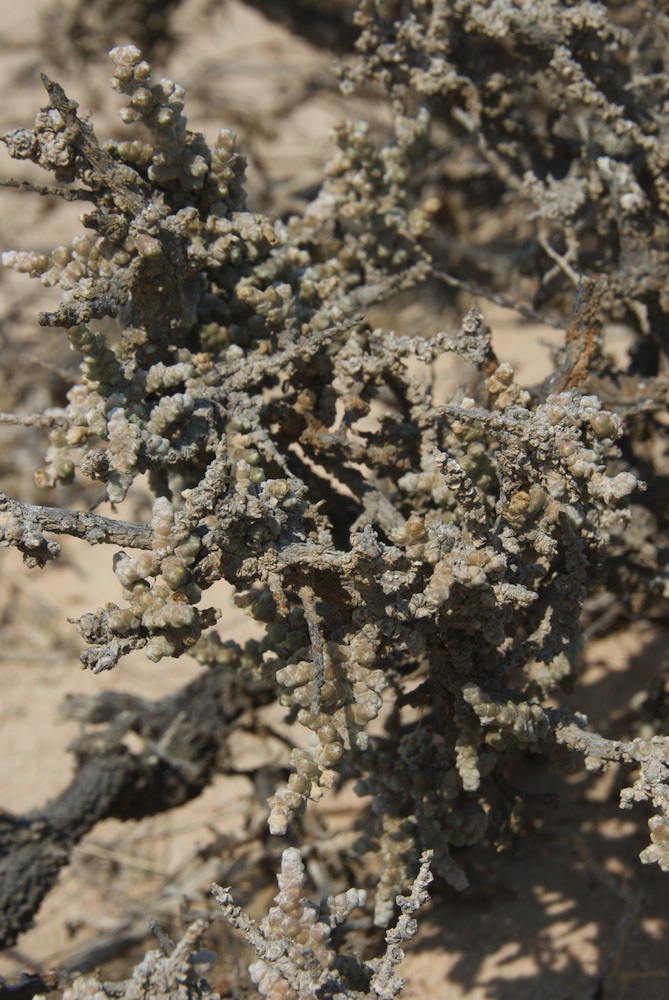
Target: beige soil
x=564, y=910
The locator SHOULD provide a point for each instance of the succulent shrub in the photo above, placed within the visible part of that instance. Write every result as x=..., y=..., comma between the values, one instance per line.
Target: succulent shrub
x=402, y=554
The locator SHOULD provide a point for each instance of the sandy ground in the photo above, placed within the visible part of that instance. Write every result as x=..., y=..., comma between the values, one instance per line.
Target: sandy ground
x=565, y=912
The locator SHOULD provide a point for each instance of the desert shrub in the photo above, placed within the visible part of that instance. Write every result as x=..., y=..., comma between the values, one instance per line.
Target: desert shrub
x=435, y=558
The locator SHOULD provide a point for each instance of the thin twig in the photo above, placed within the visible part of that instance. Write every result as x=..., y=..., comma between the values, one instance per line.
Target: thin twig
x=32, y=420
x=166, y=945
x=121, y=859
x=54, y=190
x=316, y=637
x=610, y=964
x=500, y=300
x=560, y=260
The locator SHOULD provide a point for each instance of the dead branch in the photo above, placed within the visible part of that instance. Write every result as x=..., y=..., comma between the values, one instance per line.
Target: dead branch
x=185, y=736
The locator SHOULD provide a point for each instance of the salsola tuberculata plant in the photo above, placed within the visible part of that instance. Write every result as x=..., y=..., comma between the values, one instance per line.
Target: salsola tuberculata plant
x=400, y=552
